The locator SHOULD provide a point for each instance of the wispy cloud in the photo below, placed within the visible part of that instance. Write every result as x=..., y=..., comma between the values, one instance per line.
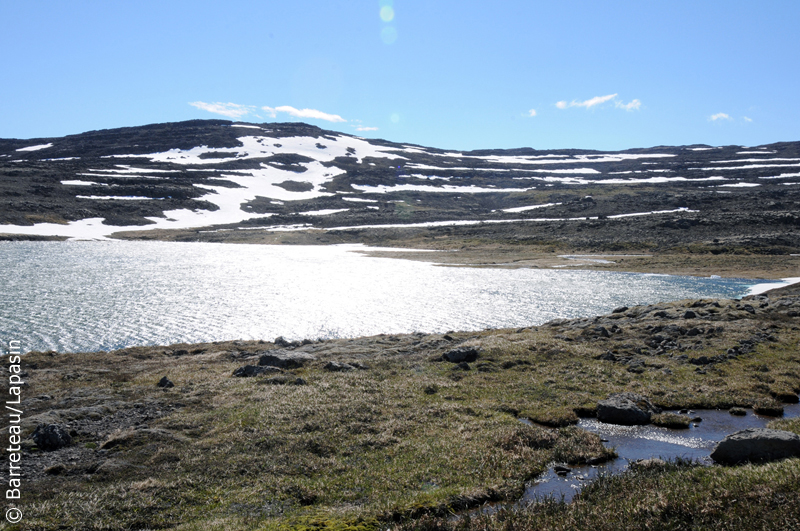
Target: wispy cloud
x=719, y=116
x=632, y=106
x=597, y=100
x=231, y=110
x=365, y=128
x=746, y=119
x=303, y=113
x=532, y=112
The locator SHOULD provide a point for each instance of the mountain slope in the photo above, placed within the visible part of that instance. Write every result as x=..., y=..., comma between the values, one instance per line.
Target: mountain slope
x=202, y=176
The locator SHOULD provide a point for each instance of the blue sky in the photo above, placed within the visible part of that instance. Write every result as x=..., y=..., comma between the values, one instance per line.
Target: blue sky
x=449, y=74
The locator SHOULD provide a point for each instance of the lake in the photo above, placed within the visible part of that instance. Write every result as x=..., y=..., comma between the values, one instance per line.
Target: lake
x=103, y=295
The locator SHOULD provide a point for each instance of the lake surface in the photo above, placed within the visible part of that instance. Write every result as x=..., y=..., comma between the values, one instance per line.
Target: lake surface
x=79, y=296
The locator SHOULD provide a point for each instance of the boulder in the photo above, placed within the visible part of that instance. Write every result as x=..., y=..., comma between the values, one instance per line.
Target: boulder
x=284, y=359
x=51, y=437
x=461, y=354
x=335, y=366
x=247, y=371
x=626, y=408
x=165, y=382
x=756, y=445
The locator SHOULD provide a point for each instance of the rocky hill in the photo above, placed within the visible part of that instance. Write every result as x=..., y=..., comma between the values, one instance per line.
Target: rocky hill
x=218, y=180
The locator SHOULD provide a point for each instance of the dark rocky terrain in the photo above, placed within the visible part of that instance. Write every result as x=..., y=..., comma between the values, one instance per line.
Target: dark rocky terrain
x=302, y=184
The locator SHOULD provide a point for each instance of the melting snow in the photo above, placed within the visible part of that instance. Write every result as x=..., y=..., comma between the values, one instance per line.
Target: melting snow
x=532, y=207
x=123, y=197
x=359, y=200
x=35, y=148
x=747, y=167
x=382, y=189
x=82, y=183
x=324, y=212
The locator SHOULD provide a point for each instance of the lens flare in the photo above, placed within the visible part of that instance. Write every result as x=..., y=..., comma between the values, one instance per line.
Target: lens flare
x=388, y=35
x=394, y=118
x=387, y=13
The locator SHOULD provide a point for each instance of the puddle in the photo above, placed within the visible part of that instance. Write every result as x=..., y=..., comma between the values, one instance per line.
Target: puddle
x=644, y=442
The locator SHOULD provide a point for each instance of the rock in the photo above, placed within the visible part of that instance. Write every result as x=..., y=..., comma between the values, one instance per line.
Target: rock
x=247, y=371
x=561, y=470
x=461, y=354
x=602, y=331
x=689, y=314
x=285, y=360
x=626, y=408
x=738, y=411
x=165, y=383
x=55, y=470
x=335, y=366
x=281, y=342
x=51, y=437
x=621, y=309
x=283, y=379
x=756, y=445
x=463, y=366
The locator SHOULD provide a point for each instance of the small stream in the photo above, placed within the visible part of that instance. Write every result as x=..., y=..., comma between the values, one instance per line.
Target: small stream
x=644, y=442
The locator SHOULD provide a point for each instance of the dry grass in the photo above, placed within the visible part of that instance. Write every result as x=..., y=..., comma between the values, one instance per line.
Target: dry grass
x=406, y=438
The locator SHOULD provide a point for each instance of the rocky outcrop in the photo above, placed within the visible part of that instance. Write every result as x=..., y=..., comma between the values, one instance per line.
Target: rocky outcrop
x=247, y=371
x=51, y=437
x=756, y=445
x=626, y=408
x=461, y=354
x=285, y=360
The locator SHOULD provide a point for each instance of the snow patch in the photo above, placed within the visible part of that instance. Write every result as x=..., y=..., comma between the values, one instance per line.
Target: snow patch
x=35, y=148
x=82, y=183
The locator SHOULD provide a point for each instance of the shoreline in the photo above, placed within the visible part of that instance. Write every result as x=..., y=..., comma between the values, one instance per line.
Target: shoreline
x=383, y=429
x=462, y=253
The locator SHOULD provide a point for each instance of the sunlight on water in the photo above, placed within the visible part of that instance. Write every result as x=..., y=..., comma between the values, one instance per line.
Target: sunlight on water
x=71, y=296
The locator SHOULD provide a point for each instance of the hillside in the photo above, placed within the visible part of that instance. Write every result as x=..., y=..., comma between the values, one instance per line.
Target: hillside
x=215, y=180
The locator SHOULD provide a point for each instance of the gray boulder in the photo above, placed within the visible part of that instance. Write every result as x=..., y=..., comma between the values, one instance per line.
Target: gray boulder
x=285, y=360
x=247, y=371
x=626, y=408
x=335, y=366
x=756, y=445
x=51, y=437
x=461, y=354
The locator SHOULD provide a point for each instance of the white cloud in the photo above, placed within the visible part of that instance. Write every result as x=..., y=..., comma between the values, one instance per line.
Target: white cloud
x=746, y=119
x=364, y=128
x=532, y=112
x=719, y=116
x=632, y=106
x=303, y=113
x=598, y=100
x=231, y=110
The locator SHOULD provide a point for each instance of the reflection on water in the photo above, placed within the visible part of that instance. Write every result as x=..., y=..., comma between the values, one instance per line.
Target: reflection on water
x=72, y=296
x=644, y=442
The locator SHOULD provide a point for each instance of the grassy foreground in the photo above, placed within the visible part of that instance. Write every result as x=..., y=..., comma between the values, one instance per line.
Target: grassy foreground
x=406, y=439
